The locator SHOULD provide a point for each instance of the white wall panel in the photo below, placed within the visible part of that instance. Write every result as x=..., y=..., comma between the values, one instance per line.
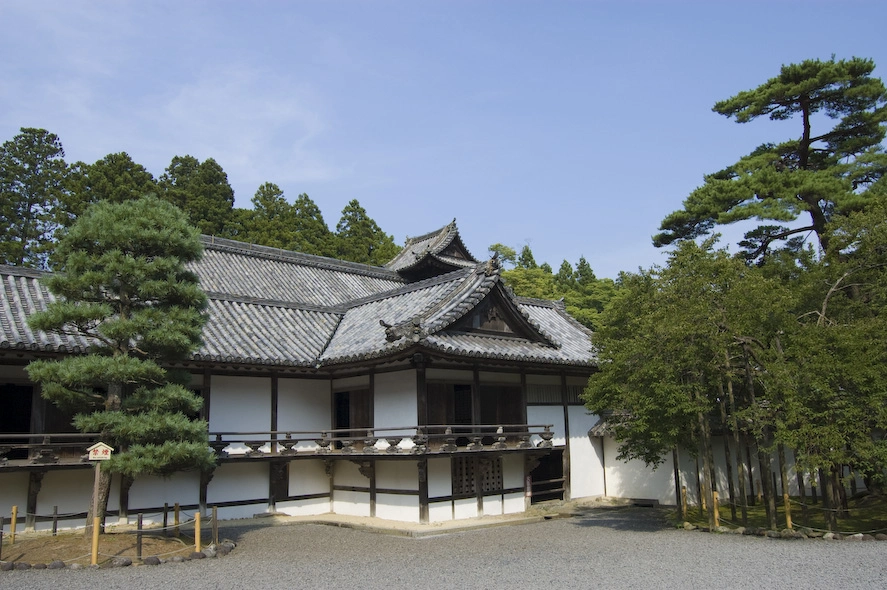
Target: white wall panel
x=394, y=396
x=586, y=469
x=241, y=404
x=440, y=478
x=351, y=503
x=397, y=507
x=307, y=478
x=548, y=415
x=238, y=481
x=397, y=475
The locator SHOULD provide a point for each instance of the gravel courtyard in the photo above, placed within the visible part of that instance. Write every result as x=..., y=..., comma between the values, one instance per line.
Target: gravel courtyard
x=601, y=548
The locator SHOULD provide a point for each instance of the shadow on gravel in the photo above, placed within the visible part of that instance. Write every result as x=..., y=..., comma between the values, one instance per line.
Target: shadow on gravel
x=623, y=518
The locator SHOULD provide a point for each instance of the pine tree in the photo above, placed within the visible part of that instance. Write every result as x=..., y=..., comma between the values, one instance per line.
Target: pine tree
x=122, y=283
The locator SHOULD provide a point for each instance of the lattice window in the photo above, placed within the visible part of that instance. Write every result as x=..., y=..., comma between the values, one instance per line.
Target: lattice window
x=464, y=475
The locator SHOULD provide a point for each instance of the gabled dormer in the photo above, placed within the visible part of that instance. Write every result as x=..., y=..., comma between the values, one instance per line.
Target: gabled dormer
x=432, y=254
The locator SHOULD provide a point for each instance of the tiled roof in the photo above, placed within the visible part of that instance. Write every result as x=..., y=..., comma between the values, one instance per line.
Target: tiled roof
x=246, y=270
x=417, y=251
x=278, y=308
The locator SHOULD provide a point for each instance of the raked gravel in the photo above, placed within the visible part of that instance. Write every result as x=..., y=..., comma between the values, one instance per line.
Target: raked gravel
x=600, y=548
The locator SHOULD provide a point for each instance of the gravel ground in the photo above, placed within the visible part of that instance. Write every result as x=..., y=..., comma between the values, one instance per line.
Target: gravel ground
x=601, y=548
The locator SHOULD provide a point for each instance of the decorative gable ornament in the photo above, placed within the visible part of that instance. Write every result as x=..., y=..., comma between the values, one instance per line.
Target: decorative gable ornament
x=100, y=452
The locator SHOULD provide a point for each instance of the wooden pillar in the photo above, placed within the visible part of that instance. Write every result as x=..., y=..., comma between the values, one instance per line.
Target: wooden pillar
x=205, y=391
x=275, y=398
x=566, y=457
x=35, y=482
x=424, y=517
x=419, y=363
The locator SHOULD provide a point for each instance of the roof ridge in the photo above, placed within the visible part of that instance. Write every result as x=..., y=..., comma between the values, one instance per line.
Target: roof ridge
x=291, y=256
x=22, y=271
x=410, y=287
x=217, y=296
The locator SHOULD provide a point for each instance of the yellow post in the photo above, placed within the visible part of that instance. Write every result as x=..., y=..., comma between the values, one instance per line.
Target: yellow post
x=684, y=502
x=12, y=524
x=95, y=541
x=197, y=531
x=714, y=501
x=176, y=521
x=788, y=511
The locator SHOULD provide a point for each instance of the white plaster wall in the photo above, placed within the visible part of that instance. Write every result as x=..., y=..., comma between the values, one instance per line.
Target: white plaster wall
x=440, y=511
x=548, y=415
x=153, y=492
x=346, y=473
x=513, y=471
x=241, y=404
x=633, y=479
x=465, y=508
x=351, y=503
x=492, y=505
x=307, y=478
x=586, y=469
x=394, y=399
x=239, y=481
x=513, y=503
x=397, y=475
x=14, y=492
x=440, y=478
x=397, y=507
x=71, y=491
x=303, y=405
x=312, y=507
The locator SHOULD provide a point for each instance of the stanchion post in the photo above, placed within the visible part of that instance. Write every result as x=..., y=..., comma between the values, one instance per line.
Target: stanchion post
x=55, y=520
x=165, y=519
x=788, y=510
x=197, y=531
x=139, y=537
x=715, y=505
x=12, y=524
x=175, y=530
x=94, y=560
x=215, y=526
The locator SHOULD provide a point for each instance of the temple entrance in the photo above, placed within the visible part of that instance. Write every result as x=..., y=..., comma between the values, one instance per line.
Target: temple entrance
x=548, y=478
x=15, y=415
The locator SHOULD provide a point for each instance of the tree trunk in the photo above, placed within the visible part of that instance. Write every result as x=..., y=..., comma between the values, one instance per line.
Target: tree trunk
x=828, y=501
x=104, y=492
x=707, y=466
x=728, y=460
x=802, y=492
x=783, y=481
x=740, y=468
x=766, y=485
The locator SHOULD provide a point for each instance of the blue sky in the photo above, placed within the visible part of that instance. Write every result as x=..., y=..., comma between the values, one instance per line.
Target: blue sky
x=574, y=127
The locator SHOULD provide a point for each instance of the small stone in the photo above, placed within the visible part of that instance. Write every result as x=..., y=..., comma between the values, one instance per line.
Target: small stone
x=223, y=550
x=723, y=529
x=22, y=566
x=121, y=562
x=689, y=526
x=177, y=559
x=75, y=566
x=39, y=566
x=881, y=537
x=56, y=564
x=867, y=537
x=772, y=534
x=229, y=544
x=738, y=530
x=7, y=566
x=209, y=551
x=856, y=537
x=151, y=560
x=196, y=555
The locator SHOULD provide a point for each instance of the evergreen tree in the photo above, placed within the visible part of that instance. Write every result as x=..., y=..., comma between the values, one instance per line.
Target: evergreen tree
x=311, y=234
x=122, y=283
x=201, y=190
x=32, y=184
x=360, y=239
x=817, y=175
x=526, y=259
x=115, y=178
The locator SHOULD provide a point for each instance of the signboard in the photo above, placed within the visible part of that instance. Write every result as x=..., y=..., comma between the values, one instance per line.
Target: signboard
x=100, y=452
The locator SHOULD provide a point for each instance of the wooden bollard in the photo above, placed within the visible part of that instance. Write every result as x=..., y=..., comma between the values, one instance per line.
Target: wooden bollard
x=714, y=501
x=175, y=530
x=12, y=525
x=684, y=502
x=55, y=520
x=197, y=531
x=165, y=519
x=94, y=560
x=788, y=510
x=139, y=537
x=215, y=526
